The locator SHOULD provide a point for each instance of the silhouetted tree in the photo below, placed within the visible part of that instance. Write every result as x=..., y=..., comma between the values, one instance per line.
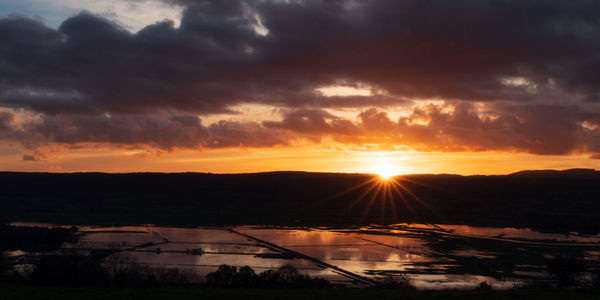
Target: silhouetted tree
x=395, y=282
x=285, y=276
x=484, y=286
x=224, y=276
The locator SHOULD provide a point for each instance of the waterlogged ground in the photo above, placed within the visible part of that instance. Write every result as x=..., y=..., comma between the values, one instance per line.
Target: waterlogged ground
x=430, y=256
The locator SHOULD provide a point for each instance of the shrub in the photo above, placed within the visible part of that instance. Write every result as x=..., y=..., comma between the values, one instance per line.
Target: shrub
x=484, y=286
x=395, y=282
x=286, y=276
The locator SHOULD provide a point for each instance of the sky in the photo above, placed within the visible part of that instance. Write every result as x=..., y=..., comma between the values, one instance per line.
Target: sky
x=427, y=86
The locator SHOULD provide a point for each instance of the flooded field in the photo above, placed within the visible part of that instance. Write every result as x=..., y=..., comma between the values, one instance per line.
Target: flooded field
x=429, y=256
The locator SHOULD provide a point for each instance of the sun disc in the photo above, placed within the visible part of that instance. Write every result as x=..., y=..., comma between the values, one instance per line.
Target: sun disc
x=385, y=172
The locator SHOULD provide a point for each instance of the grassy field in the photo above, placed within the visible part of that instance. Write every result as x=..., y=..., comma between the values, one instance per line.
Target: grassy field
x=16, y=292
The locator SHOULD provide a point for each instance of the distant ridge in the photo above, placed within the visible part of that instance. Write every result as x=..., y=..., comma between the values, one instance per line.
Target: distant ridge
x=550, y=200
x=571, y=172
x=544, y=172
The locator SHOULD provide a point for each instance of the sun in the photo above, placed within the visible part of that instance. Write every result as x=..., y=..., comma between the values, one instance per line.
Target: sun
x=385, y=171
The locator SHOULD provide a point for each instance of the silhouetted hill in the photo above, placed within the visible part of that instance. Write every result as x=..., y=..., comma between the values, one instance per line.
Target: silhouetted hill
x=546, y=200
x=568, y=172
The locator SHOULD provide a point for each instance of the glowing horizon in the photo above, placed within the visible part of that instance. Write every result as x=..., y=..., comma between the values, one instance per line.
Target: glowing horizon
x=290, y=159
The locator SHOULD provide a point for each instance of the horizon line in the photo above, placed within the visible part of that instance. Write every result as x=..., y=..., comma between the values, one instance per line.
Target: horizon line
x=299, y=171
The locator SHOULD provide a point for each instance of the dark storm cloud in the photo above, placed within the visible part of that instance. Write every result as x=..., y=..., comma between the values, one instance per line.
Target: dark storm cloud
x=453, y=50
x=162, y=131
x=93, y=81
x=313, y=122
x=29, y=157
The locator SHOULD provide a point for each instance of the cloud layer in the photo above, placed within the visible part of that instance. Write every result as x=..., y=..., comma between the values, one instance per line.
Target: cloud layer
x=519, y=75
x=537, y=129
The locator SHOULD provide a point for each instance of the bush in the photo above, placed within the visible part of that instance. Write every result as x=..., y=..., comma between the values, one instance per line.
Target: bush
x=286, y=276
x=395, y=282
x=484, y=286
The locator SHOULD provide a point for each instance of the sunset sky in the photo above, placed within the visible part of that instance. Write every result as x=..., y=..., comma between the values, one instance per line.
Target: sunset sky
x=423, y=86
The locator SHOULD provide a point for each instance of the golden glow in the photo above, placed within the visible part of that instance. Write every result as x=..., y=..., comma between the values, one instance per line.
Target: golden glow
x=298, y=158
x=338, y=90
x=383, y=166
x=385, y=172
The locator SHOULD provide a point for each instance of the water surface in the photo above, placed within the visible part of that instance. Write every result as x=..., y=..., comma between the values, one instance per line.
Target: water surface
x=429, y=256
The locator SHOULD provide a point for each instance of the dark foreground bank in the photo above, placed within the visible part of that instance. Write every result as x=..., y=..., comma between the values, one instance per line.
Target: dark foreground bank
x=17, y=292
